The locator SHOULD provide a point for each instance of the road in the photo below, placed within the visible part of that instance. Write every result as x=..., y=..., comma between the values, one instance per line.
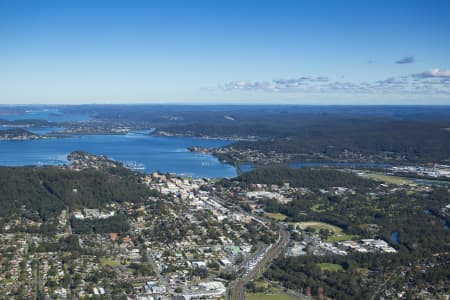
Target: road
x=155, y=267
x=264, y=263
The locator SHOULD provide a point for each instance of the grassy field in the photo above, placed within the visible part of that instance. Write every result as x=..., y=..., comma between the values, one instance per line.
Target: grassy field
x=330, y=267
x=337, y=233
x=339, y=237
x=261, y=284
x=260, y=296
x=388, y=178
x=107, y=262
x=318, y=226
x=276, y=216
x=317, y=208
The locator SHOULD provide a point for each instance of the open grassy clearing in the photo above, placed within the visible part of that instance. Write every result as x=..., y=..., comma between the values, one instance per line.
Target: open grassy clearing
x=261, y=296
x=388, y=178
x=317, y=208
x=341, y=237
x=330, y=267
x=318, y=225
x=276, y=216
x=261, y=284
x=337, y=234
x=108, y=262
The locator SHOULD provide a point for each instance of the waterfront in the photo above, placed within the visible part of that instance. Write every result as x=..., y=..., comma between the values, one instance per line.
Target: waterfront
x=138, y=150
x=164, y=154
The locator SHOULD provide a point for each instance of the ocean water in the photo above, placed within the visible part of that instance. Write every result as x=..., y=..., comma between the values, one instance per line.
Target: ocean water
x=164, y=154
x=50, y=114
x=136, y=149
x=37, y=130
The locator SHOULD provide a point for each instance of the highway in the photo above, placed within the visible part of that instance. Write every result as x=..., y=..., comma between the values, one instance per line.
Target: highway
x=238, y=290
x=263, y=264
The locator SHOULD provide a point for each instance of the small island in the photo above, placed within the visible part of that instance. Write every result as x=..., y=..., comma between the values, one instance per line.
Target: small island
x=18, y=134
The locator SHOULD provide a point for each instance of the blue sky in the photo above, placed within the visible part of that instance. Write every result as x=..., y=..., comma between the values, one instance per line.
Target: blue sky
x=303, y=52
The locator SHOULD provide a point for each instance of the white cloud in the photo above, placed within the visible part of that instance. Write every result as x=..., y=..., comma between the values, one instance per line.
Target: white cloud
x=434, y=81
x=434, y=73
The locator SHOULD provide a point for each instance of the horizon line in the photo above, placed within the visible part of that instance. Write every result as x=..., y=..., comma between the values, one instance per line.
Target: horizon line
x=215, y=104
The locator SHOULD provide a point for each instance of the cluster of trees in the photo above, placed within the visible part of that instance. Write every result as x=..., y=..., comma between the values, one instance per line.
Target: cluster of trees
x=400, y=140
x=305, y=177
x=357, y=276
x=40, y=193
x=142, y=269
x=118, y=223
x=17, y=132
x=300, y=274
x=70, y=243
x=345, y=282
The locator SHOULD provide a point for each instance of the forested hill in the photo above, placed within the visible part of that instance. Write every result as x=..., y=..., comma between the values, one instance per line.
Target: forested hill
x=409, y=141
x=42, y=192
x=17, y=134
x=311, y=178
x=416, y=138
